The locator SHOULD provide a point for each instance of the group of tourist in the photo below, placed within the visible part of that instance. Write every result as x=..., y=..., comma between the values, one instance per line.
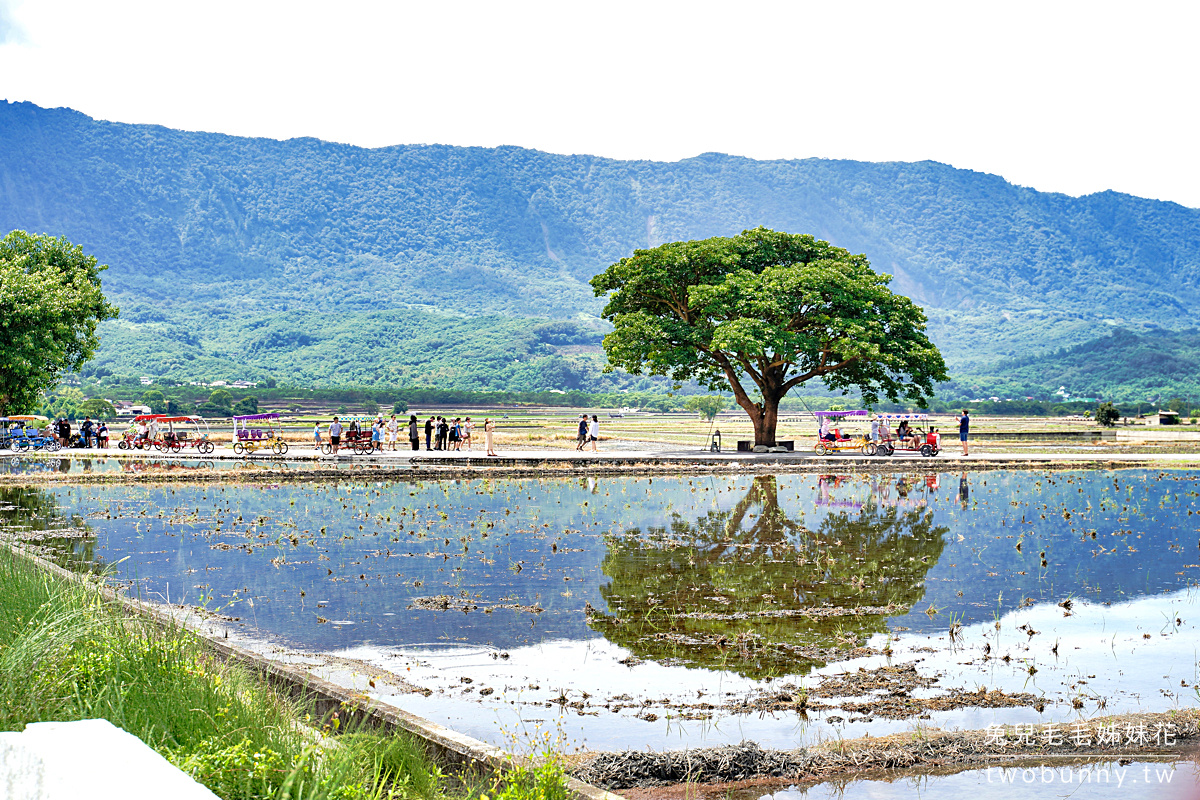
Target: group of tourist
x=587, y=432
x=91, y=434
x=443, y=434
x=881, y=432
x=440, y=433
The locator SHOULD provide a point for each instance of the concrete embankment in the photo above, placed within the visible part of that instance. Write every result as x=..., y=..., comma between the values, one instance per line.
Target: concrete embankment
x=446, y=745
x=168, y=468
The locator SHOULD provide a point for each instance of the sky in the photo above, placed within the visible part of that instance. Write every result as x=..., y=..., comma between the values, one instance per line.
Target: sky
x=1073, y=97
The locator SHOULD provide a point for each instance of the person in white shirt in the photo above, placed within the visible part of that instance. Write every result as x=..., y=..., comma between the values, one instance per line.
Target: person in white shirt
x=335, y=434
x=393, y=430
x=594, y=431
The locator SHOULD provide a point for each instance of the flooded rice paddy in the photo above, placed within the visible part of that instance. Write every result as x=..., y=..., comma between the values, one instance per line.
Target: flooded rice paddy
x=688, y=611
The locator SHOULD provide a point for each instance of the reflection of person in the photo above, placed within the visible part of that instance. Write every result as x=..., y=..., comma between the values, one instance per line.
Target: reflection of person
x=964, y=430
x=964, y=490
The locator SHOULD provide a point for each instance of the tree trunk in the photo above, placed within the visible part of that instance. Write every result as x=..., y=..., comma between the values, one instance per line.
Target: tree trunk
x=765, y=415
x=765, y=422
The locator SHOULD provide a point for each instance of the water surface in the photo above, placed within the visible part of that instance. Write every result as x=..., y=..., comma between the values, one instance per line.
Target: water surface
x=629, y=612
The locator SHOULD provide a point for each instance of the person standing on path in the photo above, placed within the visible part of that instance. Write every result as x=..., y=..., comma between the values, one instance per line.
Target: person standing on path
x=317, y=436
x=102, y=435
x=468, y=428
x=393, y=432
x=377, y=435
x=335, y=434
x=964, y=430
x=489, y=428
x=429, y=433
x=594, y=432
x=414, y=432
x=581, y=436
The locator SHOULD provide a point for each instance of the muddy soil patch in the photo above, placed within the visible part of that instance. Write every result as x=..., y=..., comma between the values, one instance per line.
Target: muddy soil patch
x=924, y=748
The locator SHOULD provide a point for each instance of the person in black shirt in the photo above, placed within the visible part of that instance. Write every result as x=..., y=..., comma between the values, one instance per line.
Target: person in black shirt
x=582, y=435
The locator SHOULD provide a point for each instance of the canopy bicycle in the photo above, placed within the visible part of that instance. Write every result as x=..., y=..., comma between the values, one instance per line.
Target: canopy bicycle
x=832, y=439
x=19, y=436
x=247, y=440
x=188, y=434
x=907, y=437
x=355, y=437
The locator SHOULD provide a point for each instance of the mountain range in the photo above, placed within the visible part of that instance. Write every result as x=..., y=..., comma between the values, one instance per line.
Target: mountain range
x=467, y=267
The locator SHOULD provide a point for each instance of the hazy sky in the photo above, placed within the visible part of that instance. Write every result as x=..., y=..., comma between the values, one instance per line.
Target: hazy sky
x=1061, y=96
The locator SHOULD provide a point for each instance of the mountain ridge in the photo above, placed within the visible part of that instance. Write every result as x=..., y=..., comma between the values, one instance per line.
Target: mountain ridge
x=204, y=230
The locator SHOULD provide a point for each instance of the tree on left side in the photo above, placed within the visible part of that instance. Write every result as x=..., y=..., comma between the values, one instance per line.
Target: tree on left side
x=50, y=304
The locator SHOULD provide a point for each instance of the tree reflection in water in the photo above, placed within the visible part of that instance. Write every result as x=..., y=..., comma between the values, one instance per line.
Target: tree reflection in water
x=752, y=591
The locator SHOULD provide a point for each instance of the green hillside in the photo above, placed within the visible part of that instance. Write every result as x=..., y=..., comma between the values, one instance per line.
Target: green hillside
x=232, y=256
x=1123, y=367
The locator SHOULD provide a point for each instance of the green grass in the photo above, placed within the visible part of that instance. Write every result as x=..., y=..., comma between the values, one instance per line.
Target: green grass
x=67, y=654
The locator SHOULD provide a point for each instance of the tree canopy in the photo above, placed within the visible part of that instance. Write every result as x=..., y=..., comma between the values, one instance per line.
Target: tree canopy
x=775, y=309
x=50, y=305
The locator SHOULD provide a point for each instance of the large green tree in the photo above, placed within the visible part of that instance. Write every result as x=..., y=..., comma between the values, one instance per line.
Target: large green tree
x=50, y=304
x=761, y=313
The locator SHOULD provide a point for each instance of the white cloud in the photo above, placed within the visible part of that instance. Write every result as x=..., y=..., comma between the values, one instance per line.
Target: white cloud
x=10, y=31
x=1072, y=97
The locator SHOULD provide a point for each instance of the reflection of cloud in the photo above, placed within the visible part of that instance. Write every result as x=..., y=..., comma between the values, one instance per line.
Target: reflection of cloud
x=10, y=31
